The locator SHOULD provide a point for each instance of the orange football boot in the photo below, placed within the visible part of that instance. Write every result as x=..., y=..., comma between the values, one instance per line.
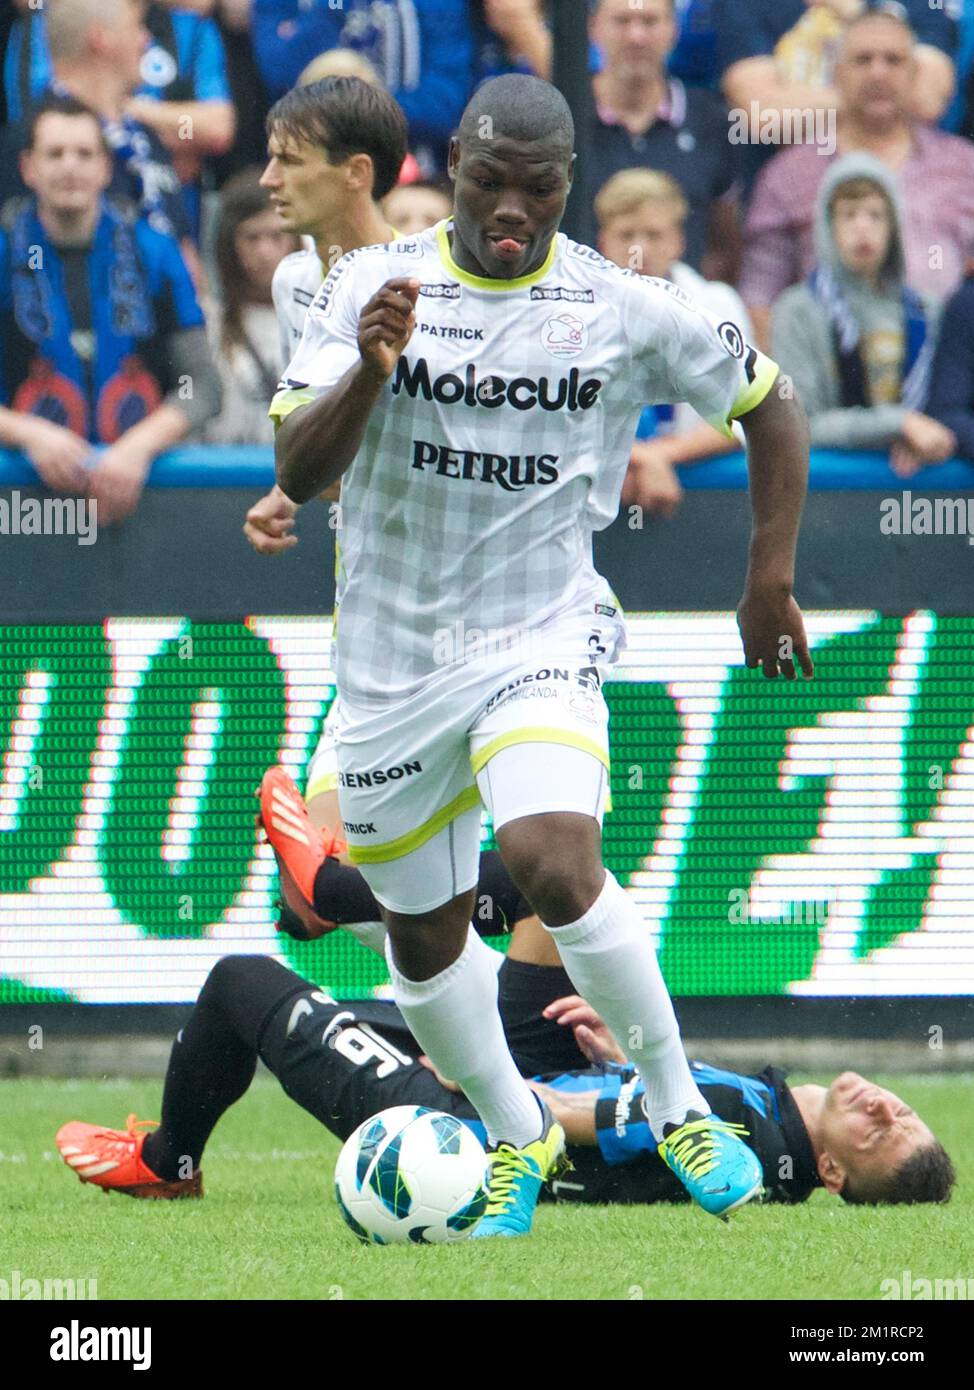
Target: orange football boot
x=299, y=846
x=112, y=1160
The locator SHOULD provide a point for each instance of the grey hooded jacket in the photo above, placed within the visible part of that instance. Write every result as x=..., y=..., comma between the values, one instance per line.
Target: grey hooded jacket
x=802, y=342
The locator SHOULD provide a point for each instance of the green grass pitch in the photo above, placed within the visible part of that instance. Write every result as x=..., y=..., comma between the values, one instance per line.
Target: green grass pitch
x=268, y=1227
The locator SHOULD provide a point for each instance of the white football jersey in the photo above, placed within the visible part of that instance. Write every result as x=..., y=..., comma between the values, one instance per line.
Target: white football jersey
x=297, y=280
x=499, y=443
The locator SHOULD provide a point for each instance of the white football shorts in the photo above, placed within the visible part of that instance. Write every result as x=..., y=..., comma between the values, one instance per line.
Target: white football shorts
x=523, y=731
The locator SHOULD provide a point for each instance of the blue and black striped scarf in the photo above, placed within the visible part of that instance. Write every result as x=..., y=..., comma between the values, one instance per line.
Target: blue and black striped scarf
x=853, y=377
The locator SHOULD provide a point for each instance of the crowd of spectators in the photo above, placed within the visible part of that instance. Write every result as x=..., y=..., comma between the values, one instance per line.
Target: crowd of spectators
x=804, y=168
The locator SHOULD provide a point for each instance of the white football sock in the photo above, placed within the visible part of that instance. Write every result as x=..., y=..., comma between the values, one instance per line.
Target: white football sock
x=611, y=962
x=454, y=1019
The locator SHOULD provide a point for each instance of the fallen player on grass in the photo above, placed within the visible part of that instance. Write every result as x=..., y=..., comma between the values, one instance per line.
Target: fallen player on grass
x=345, y=1060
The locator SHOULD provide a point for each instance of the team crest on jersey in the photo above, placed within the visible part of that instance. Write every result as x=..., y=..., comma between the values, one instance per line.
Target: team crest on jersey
x=565, y=335
x=158, y=67
x=585, y=706
x=440, y=291
x=732, y=338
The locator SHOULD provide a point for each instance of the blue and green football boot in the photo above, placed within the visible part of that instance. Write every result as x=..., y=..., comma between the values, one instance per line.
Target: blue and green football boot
x=514, y=1180
x=713, y=1163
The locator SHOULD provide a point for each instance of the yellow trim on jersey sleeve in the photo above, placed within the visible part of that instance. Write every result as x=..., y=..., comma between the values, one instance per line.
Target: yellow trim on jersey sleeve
x=395, y=849
x=538, y=734
x=481, y=282
x=765, y=376
x=284, y=402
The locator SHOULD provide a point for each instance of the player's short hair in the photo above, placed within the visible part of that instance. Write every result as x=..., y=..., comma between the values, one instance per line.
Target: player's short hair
x=64, y=106
x=522, y=108
x=926, y=1176
x=631, y=189
x=67, y=22
x=345, y=116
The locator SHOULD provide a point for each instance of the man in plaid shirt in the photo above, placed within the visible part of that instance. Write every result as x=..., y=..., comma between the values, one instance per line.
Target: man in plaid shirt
x=875, y=76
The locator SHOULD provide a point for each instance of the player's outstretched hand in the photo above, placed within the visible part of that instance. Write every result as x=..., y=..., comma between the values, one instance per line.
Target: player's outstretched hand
x=269, y=523
x=773, y=632
x=386, y=324
x=591, y=1031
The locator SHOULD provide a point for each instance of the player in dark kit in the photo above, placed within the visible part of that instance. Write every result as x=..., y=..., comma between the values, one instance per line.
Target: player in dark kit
x=345, y=1060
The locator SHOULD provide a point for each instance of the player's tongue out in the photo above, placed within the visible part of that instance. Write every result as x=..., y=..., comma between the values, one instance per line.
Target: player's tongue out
x=507, y=248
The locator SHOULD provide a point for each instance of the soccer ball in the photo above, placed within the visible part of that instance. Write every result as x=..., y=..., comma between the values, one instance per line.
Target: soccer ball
x=411, y=1174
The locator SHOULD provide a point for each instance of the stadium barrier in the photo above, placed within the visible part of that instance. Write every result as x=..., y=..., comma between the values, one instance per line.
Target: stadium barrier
x=791, y=848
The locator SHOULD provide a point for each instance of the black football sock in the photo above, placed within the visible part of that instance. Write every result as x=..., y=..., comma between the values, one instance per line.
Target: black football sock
x=539, y=1045
x=499, y=904
x=214, y=1057
x=342, y=895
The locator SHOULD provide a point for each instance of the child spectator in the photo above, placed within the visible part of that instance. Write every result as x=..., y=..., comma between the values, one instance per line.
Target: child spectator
x=876, y=77
x=250, y=244
x=855, y=339
x=104, y=341
x=412, y=207
x=641, y=216
x=645, y=118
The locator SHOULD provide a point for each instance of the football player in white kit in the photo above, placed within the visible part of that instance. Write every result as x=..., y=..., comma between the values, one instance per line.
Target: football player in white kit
x=335, y=147
x=476, y=388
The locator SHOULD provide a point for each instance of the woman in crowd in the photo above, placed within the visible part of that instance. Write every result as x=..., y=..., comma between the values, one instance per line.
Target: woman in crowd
x=246, y=343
